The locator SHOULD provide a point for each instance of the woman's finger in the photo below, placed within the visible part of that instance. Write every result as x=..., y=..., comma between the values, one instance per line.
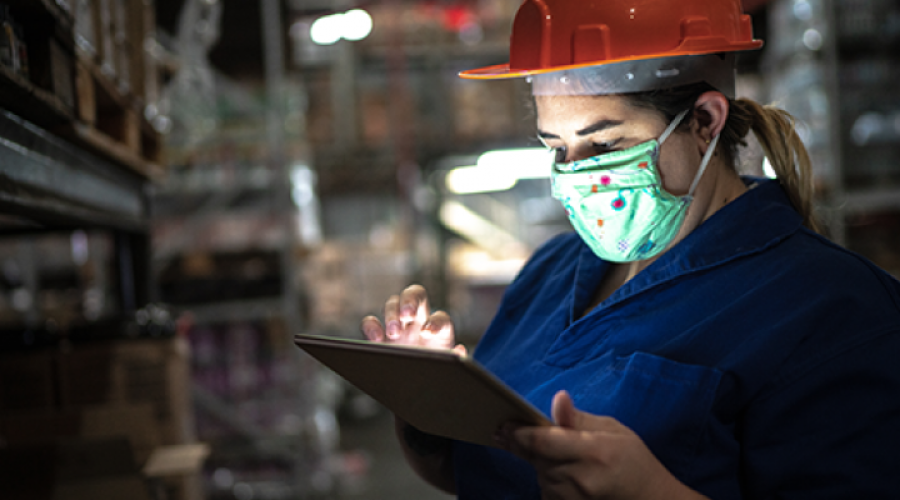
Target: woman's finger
x=564, y=414
x=556, y=443
x=438, y=331
x=413, y=306
x=372, y=329
x=392, y=325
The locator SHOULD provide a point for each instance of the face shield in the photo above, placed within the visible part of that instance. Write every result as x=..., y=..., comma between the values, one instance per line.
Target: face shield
x=640, y=76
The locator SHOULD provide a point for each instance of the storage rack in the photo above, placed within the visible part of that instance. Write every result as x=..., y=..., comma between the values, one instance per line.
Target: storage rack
x=227, y=236
x=75, y=150
x=833, y=65
x=78, y=154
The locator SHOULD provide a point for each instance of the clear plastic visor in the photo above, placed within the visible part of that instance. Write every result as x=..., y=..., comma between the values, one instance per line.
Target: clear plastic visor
x=640, y=76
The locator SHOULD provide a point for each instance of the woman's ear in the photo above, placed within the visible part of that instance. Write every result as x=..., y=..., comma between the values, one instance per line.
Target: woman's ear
x=710, y=115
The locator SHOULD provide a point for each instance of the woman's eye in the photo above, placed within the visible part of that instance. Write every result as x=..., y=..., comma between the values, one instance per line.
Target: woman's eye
x=604, y=147
x=560, y=155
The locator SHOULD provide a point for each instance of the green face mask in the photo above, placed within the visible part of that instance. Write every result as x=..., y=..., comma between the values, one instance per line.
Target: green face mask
x=616, y=201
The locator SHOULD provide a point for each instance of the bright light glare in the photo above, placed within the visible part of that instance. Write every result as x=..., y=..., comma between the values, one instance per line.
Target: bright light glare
x=353, y=25
x=481, y=231
x=357, y=25
x=812, y=39
x=326, y=30
x=768, y=171
x=472, y=179
x=500, y=170
x=526, y=163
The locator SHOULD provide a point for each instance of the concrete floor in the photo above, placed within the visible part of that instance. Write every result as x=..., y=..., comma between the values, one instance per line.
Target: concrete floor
x=388, y=477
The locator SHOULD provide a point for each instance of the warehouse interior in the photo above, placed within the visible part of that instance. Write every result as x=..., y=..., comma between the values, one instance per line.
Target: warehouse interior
x=185, y=184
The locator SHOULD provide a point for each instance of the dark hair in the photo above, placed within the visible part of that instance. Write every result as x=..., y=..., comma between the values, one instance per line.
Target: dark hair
x=773, y=127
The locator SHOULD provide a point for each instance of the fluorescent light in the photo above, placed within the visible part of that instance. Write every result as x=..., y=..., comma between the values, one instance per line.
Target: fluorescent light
x=481, y=231
x=352, y=25
x=473, y=179
x=475, y=265
x=525, y=163
x=500, y=170
x=326, y=30
x=357, y=25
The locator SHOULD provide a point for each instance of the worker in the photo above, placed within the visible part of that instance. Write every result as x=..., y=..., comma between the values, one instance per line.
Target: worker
x=695, y=336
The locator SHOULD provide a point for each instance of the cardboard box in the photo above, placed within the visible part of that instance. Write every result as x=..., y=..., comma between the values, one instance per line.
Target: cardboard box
x=176, y=460
x=178, y=470
x=145, y=77
x=151, y=371
x=72, y=470
x=56, y=406
x=104, y=33
x=27, y=382
x=90, y=467
x=135, y=422
x=85, y=32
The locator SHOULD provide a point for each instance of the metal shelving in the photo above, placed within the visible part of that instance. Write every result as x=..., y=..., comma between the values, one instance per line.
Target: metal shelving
x=49, y=181
x=833, y=64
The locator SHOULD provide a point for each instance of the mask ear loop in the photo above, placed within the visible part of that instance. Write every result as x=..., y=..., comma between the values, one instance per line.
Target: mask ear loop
x=671, y=128
x=703, y=163
x=706, y=157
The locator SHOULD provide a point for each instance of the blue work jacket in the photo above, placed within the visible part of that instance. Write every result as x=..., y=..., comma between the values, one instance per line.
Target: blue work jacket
x=755, y=358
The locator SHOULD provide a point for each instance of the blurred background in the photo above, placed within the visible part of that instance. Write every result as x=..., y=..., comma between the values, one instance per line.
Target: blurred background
x=185, y=184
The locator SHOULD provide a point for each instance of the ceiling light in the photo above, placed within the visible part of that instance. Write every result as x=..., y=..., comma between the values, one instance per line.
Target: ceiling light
x=357, y=24
x=500, y=170
x=353, y=25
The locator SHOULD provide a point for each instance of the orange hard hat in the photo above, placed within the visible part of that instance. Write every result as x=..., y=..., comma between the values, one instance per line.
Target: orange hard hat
x=553, y=35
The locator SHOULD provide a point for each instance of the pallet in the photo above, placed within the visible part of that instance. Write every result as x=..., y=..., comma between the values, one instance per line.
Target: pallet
x=40, y=106
x=112, y=123
x=76, y=94
x=46, y=95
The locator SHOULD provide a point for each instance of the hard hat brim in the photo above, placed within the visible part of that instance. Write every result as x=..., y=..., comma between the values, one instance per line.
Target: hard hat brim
x=504, y=72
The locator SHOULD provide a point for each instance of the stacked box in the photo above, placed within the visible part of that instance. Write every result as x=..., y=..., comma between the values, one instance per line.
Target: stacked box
x=144, y=72
x=114, y=33
x=137, y=390
x=136, y=422
x=122, y=44
x=27, y=382
x=105, y=35
x=97, y=384
x=75, y=469
x=132, y=372
x=85, y=33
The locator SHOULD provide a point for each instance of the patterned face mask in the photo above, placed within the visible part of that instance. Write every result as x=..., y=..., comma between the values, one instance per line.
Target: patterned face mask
x=617, y=203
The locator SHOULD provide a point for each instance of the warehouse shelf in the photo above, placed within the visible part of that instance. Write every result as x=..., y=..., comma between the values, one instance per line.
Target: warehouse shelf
x=19, y=95
x=224, y=412
x=833, y=65
x=54, y=182
x=49, y=13
x=237, y=310
x=873, y=200
x=76, y=158
x=47, y=7
x=494, y=50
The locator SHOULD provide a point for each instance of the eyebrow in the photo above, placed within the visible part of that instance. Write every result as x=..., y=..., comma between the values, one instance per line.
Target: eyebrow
x=590, y=129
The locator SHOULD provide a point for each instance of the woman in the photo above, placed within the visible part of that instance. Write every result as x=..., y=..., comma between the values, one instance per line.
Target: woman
x=696, y=338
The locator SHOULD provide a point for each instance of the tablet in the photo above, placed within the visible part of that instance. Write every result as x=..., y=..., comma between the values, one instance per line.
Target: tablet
x=436, y=390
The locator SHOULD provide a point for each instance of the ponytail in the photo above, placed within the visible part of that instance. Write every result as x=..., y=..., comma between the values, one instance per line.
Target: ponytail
x=773, y=127
x=775, y=131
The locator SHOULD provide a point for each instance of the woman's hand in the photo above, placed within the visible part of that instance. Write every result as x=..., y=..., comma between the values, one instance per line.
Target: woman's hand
x=408, y=320
x=591, y=457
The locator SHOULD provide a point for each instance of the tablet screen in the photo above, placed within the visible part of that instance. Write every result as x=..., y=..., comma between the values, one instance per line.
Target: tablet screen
x=437, y=391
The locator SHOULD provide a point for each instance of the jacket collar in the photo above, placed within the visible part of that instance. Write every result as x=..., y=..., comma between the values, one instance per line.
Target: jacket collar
x=756, y=220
